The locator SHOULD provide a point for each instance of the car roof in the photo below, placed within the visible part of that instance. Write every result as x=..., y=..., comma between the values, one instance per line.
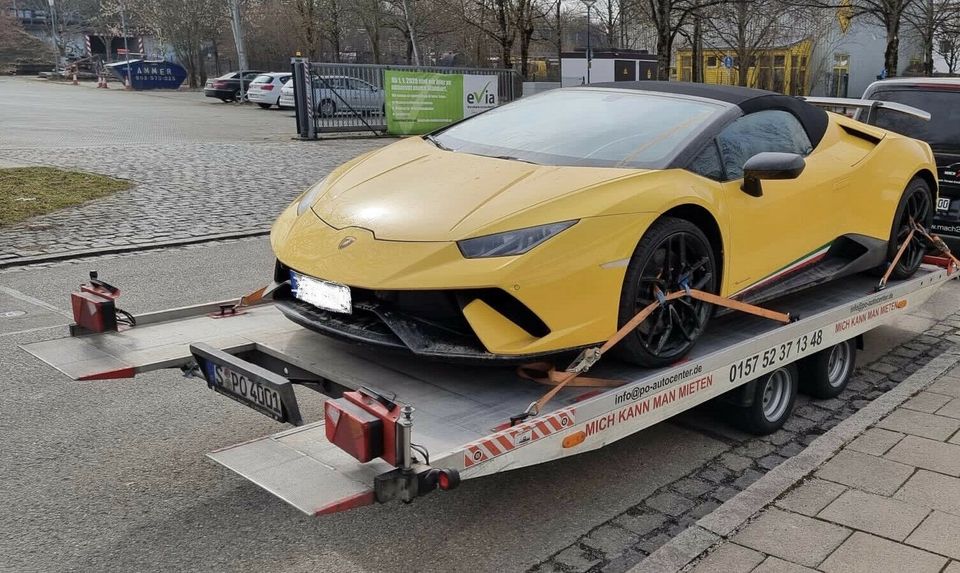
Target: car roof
x=813, y=119
x=275, y=74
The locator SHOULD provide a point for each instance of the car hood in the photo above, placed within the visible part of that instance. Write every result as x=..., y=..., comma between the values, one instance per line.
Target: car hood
x=414, y=191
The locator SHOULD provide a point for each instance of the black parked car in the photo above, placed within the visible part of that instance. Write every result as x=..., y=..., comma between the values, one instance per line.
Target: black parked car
x=227, y=86
x=941, y=98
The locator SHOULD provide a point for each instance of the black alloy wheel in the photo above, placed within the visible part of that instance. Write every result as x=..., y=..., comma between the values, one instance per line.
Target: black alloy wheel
x=915, y=206
x=673, y=254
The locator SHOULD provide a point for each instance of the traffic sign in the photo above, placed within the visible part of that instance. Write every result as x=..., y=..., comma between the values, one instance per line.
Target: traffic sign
x=727, y=62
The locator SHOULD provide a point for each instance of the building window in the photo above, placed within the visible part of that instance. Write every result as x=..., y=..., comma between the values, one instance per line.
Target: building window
x=840, y=76
x=711, y=61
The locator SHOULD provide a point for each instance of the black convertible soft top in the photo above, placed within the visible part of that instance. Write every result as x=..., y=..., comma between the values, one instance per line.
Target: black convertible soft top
x=749, y=100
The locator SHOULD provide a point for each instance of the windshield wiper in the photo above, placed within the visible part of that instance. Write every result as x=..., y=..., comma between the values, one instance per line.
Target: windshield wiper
x=512, y=158
x=434, y=141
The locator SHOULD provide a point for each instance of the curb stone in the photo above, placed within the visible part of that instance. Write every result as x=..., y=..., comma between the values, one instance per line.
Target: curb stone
x=96, y=252
x=681, y=551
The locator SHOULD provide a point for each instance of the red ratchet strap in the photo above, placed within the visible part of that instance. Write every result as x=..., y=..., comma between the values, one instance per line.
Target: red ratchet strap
x=590, y=356
x=938, y=244
x=896, y=259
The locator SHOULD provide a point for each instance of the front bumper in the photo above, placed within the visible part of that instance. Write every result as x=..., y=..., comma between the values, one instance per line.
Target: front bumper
x=562, y=295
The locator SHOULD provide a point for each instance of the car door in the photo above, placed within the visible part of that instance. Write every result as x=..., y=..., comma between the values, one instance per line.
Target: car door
x=353, y=93
x=793, y=222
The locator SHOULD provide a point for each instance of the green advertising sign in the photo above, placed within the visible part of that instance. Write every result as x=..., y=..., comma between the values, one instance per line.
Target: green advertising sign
x=419, y=102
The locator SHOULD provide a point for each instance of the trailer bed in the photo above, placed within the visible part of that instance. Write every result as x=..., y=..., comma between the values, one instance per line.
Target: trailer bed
x=462, y=413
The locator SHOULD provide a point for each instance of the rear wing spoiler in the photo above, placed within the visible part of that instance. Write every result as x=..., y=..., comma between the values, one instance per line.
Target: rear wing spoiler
x=866, y=104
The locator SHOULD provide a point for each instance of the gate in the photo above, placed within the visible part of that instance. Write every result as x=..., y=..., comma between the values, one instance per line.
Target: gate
x=351, y=97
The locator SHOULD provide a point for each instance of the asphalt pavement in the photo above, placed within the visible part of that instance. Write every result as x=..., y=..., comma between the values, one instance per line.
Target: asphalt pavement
x=111, y=475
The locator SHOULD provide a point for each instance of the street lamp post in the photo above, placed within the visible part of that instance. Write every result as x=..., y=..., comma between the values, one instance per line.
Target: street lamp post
x=589, y=4
x=126, y=45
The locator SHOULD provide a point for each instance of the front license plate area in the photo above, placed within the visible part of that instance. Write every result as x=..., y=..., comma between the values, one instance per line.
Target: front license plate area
x=322, y=294
x=249, y=384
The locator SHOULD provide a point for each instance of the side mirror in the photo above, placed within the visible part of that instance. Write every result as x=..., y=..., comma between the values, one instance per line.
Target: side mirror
x=770, y=165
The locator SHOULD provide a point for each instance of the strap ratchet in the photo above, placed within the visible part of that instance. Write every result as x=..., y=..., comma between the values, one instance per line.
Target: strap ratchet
x=591, y=356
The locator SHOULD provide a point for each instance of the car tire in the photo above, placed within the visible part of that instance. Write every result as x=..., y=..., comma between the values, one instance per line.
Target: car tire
x=326, y=108
x=669, y=249
x=916, y=202
x=264, y=105
x=774, y=395
x=826, y=373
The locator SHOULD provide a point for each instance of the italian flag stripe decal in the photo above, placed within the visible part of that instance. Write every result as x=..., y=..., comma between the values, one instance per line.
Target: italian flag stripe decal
x=806, y=260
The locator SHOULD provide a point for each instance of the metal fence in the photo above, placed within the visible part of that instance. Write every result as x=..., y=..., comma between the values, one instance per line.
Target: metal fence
x=351, y=97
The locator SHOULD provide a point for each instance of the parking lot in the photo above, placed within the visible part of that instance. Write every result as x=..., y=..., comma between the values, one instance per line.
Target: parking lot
x=199, y=164
x=111, y=475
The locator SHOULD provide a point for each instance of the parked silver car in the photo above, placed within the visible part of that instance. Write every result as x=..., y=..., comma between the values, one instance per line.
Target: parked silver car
x=334, y=95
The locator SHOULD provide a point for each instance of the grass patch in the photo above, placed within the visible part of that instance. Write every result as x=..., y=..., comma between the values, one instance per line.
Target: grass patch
x=30, y=191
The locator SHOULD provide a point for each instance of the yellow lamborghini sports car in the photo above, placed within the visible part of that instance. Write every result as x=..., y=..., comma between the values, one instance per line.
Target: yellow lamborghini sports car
x=543, y=225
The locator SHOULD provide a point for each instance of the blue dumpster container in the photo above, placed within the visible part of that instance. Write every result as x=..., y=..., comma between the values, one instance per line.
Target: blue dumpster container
x=150, y=74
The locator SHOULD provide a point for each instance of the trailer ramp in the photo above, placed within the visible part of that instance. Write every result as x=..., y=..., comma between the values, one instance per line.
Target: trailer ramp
x=302, y=468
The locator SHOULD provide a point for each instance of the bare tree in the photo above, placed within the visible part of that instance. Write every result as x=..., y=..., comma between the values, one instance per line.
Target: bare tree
x=669, y=17
x=187, y=25
x=745, y=27
x=926, y=18
x=947, y=44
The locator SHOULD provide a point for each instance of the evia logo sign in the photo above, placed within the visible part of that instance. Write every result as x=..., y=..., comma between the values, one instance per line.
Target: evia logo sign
x=479, y=94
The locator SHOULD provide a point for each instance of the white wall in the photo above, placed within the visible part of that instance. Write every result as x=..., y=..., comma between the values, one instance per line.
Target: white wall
x=575, y=70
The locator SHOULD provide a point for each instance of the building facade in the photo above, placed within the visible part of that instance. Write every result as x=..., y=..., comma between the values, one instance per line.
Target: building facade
x=840, y=62
x=781, y=69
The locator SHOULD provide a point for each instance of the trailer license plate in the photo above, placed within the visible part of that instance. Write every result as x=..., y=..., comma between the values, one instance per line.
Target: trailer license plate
x=248, y=391
x=320, y=293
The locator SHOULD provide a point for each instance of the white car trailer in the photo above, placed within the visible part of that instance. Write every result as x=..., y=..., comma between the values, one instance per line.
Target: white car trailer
x=395, y=427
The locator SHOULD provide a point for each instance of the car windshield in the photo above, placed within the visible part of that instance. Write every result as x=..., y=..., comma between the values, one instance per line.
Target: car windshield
x=942, y=132
x=584, y=127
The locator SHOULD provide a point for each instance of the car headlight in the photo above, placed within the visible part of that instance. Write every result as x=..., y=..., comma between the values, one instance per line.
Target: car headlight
x=511, y=242
x=310, y=197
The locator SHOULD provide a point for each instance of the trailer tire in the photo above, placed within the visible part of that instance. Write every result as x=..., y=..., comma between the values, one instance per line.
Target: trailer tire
x=772, y=402
x=826, y=373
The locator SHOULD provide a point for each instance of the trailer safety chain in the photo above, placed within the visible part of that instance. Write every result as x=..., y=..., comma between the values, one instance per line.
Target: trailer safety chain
x=591, y=356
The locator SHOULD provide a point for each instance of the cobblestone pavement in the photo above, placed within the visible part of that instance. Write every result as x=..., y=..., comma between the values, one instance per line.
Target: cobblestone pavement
x=888, y=501
x=617, y=545
x=195, y=174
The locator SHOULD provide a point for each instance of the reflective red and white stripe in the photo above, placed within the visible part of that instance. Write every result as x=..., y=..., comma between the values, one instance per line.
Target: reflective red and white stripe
x=517, y=436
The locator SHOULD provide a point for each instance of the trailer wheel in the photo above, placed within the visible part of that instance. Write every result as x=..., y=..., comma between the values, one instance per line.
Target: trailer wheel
x=826, y=373
x=772, y=402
